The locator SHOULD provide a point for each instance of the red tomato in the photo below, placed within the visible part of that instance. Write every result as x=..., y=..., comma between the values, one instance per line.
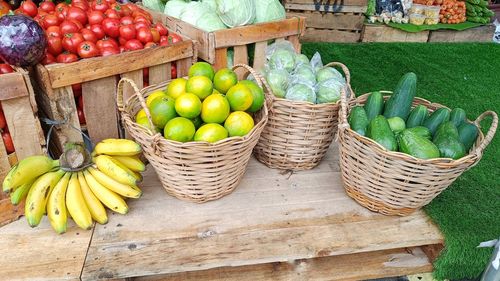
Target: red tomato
x=29, y=8
x=80, y=102
x=53, y=31
x=48, y=59
x=174, y=38
x=133, y=45
x=145, y=84
x=127, y=32
x=68, y=26
x=145, y=74
x=122, y=41
x=4, y=8
x=47, y=6
x=78, y=14
x=142, y=18
x=87, y=49
x=140, y=24
x=144, y=35
x=5, y=68
x=132, y=7
x=125, y=10
x=54, y=45
x=126, y=20
x=108, y=51
x=173, y=71
x=156, y=35
x=77, y=89
x=66, y=58
x=61, y=11
x=163, y=40
x=112, y=14
x=161, y=29
x=3, y=123
x=111, y=1
x=98, y=31
x=81, y=116
x=84, y=5
x=141, y=12
x=71, y=41
x=88, y=35
x=111, y=27
x=50, y=20
x=7, y=141
x=150, y=45
x=95, y=17
x=106, y=43
x=99, y=5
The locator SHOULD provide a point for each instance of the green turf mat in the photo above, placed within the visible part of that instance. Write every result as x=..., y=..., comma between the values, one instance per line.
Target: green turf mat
x=417, y=28
x=457, y=75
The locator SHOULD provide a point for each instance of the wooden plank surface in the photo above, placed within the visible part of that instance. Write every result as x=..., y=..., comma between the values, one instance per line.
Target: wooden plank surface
x=330, y=35
x=478, y=34
x=360, y=266
x=348, y=21
x=41, y=254
x=12, y=86
x=382, y=33
x=273, y=216
x=311, y=7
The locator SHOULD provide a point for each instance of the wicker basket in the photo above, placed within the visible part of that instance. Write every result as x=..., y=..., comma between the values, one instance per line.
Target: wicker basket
x=298, y=134
x=394, y=183
x=193, y=171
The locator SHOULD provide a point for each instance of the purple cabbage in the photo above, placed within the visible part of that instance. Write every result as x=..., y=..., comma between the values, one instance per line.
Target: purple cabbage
x=22, y=40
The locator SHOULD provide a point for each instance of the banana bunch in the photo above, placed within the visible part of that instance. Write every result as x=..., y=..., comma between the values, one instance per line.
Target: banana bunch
x=82, y=193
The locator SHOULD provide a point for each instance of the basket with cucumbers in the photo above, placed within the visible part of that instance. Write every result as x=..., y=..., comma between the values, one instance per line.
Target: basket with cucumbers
x=409, y=149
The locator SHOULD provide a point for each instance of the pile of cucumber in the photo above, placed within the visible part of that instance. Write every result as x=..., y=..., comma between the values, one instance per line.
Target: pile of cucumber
x=398, y=127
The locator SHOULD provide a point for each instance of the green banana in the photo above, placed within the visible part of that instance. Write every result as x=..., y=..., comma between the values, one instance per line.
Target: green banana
x=27, y=170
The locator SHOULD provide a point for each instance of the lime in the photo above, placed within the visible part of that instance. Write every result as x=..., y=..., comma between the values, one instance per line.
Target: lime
x=140, y=114
x=224, y=79
x=211, y=133
x=201, y=69
x=200, y=86
x=179, y=129
x=239, y=123
x=257, y=93
x=188, y=105
x=215, y=109
x=176, y=88
x=162, y=110
x=154, y=95
x=143, y=121
x=240, y=97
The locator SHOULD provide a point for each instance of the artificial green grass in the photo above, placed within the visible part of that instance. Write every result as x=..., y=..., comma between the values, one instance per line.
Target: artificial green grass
x=457, y=75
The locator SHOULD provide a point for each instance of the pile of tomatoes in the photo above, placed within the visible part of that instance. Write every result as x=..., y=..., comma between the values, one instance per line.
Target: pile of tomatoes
x=7, y=139
x=85, y=29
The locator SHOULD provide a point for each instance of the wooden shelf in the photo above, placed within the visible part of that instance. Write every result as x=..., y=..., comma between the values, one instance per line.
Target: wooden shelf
x=276, y=225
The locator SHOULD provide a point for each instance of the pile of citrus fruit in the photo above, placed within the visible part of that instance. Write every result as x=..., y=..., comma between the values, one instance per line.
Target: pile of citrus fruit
x=208, y=106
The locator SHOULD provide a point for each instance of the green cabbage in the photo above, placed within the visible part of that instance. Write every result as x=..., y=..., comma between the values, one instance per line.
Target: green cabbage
x=211, y=3
x=278, y=81
x=282, y=59
x=193, y=12
x=236, y=12
x=329, y=91
x=326, y=73
x=174, y=8
x=301, y=59
x=268, y=10
x=155, y=5
x=210, y=22
x=304, y=75
x=301, y=92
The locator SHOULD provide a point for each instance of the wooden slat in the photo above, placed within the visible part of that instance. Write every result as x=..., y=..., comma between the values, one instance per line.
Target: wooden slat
x=12, y=86
x=95, y=68
x=478, y=34
x=329, y=35
x=271, y=217
x=220, y=58
x=8, y=212
x=241, y=57
x=258, y=32
x=295, y=40
x=98, y=104
x=159, y=73
x=309, y=7
x=41, y=254
x=383, y=33
x=332, y=20
x=339, y=2
x=259, y=58
x=194, y=33
x=360, y=266
x=183, y=66
x=135, y=76
x=4, y=161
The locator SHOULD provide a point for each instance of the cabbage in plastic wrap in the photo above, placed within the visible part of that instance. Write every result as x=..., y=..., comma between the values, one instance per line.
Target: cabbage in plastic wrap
x=327, y=73
x=301, y=92
x=282, y=59
x=301, y=59
x=278, y=81
x=328, y=91
x=303, y=74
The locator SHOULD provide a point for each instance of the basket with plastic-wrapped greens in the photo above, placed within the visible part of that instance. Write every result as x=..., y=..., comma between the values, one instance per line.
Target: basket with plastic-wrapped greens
x=230, y=30
x=303, y=116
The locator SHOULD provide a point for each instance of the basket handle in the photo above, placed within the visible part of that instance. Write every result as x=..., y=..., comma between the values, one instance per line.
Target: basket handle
x=121, y=104
x=261, y=81
x=491, y=132
x=347, y=74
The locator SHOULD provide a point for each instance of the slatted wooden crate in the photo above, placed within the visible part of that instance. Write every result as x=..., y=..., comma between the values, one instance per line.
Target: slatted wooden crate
x=99, y=77
x=20, y=110
x=329, y=21
x=384, y=33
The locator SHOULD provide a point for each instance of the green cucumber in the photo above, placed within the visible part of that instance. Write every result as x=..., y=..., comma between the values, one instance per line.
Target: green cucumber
x=447, y=129
x=421, y=131
x=380, y=131
x=399, y=104
x=358, y=120
x=437, y=118
x=417, y=116
x=397, y=124
x=417, y=146
x=457, y=116
x=374, y=105
x=450, y=147
x=467, y=134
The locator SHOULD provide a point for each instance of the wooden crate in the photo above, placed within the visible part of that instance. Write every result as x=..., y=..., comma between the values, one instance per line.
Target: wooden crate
x=325, y=25
x=99, y=77
x=478, y=34
x=384, y=33
x=20, y=110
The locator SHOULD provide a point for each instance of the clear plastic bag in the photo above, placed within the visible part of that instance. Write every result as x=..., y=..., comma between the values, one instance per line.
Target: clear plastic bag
x=316, y=62
x=328, y=91
x=301, y=92
x=303, y=74
x=278, y=80
x=327, y=73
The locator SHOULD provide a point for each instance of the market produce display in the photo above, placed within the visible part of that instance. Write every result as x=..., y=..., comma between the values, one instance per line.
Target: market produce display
x=4, y=129
x=398, y=127
x=79, y=184
x=292, y=76
x=477, y=11
x=207, y=106
x=211, y=15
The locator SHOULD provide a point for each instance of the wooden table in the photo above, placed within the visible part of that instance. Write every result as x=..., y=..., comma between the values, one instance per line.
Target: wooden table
x=276, y=226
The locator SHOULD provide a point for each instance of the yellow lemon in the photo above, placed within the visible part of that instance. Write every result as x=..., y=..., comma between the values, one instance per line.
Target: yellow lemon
x=140, y=114
x=143, y=121
x=224, y=79
x=215, y=109
x=239, y=123
x=211, y=133
x=188, y=105
x=240, y=97
x=201, y=69
x=176, y=88
x=200, y=86
x=179, y=129
x=154, y=95
x=257, y=93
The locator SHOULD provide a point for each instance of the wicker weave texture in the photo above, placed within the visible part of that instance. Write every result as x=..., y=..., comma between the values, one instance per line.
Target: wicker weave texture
x=193, y=171
x=298, y=134
x=394, y=183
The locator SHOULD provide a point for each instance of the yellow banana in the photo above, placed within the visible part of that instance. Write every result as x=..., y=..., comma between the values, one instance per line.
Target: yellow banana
x=27, y=170
x=20, y=193
x=107, y=165
x=111, y=184
x=132, y=162
x=56, y=205
x=76, y=204
x=110, y=199
x=38, y=195
x=136, y=175
x=95, y=206
x=121, y=147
